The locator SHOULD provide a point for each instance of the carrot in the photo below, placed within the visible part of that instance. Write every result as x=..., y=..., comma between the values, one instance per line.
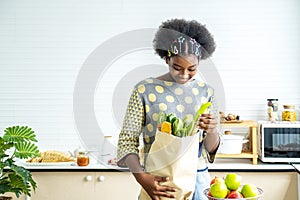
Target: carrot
x=166, y=127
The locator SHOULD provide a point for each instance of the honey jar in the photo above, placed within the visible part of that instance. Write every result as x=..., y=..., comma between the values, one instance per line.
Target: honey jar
x=83, y=158
x=289, y=113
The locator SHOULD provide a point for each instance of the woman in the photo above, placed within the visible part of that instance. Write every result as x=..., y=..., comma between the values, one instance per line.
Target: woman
x=182, y=44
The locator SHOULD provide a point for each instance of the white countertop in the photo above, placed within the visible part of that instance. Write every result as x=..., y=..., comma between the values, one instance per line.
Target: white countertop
x=220, y=164
x=246, y=164
x=297, y=167
x=69, y=166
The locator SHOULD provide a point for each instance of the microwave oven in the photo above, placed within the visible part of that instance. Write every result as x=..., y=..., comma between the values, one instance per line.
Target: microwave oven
x=279, y=142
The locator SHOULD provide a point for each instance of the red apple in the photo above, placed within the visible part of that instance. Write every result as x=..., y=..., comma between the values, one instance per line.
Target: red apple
x=216, y=179
x=209, y=194
x=234, y=195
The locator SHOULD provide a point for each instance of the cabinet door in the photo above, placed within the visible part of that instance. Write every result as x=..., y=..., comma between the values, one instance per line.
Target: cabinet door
x=116, y=185
x=64, y=185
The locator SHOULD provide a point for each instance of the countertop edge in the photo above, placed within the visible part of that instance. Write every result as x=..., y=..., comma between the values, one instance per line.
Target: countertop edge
x=220, y=165
x=76, y=170
x=252, y=170
x=126, y=170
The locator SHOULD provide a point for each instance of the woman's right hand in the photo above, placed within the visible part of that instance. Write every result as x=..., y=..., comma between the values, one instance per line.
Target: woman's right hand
x=152, y=186
x=150, y=183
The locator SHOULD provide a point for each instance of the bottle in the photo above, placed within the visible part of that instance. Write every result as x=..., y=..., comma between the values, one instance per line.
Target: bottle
x=289, y=113
x=108, y=150
x=83, y=158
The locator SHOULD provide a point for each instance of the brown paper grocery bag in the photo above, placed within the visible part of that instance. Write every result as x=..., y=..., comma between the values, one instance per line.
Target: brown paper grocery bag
x=177, y=158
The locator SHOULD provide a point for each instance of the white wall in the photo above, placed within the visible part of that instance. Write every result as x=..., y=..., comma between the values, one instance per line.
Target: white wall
x=44, y=44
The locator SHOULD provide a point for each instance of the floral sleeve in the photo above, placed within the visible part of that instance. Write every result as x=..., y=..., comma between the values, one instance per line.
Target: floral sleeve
x=128, y=142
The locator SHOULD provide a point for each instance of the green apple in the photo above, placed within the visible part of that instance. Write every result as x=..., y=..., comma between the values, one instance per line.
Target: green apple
x=233, y=181
x=218, y=190
x=249, y=190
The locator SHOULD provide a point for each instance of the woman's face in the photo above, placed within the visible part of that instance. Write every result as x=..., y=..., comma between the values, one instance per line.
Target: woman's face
x=183, y=68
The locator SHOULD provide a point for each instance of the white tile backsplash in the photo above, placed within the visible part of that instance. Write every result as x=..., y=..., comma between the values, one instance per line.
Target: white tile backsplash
x=44, y=44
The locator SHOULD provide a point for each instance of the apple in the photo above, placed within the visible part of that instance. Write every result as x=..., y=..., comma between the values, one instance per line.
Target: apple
x=209, y=194
x=249, y=190
x=216, y=179
x=218, y=190
x=234, y=194
x=233, y=181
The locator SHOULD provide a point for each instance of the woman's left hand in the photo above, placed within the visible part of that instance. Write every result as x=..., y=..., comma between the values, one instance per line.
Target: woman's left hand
x=208, y=123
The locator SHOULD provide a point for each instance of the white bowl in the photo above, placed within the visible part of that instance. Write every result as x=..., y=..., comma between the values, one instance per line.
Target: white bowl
x=261, y=192
x=231, y=144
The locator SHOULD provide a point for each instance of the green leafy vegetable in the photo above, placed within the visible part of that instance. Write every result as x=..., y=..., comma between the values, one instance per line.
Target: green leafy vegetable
x=162, y=116
x=200, y=111
x=182, y=128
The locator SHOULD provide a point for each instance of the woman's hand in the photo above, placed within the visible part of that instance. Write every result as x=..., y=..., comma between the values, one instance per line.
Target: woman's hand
x=150, y=183
x=152, y=186
x=208, y=123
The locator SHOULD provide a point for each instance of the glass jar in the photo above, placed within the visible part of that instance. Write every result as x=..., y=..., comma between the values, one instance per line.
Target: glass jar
x=289, y=113
x=83, y=158
x=272, y=109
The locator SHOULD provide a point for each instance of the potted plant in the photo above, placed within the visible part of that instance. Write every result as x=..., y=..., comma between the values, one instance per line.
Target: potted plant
x=17, y=142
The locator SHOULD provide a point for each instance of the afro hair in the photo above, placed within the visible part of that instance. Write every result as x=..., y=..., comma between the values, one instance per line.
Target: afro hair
x=171, y=29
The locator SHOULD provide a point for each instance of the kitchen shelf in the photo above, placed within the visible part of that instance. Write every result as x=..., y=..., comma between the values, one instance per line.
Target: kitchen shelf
x=252, y=153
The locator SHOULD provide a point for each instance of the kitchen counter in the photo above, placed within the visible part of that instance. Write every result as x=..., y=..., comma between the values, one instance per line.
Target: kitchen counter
x=297, y=167
x=96, y=179
x=245, y=165
x=71, y=167
x=220, y=165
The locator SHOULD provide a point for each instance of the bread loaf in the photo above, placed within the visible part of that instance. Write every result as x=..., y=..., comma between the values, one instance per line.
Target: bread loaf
x=52, y=156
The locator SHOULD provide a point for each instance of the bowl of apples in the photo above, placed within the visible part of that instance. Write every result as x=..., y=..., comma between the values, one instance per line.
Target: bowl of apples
x=230, y=187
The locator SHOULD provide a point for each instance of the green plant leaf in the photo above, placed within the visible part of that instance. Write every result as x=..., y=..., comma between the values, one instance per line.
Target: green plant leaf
x=26, y=177
x=26, y=150
x=4, y=146
x=4, y=186
x=6, y=163
x=19, y=134
x=16, y=178
x=3, y=155
x=7, y=186
x=18, y=185
x=22, y=172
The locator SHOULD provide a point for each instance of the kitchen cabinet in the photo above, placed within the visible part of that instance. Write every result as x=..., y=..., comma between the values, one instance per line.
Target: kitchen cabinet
x=276, y=185
x=252, y=153
x=85, y=185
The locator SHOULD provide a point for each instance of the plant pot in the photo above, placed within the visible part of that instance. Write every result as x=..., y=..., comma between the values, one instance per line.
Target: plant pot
x=5, y=198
